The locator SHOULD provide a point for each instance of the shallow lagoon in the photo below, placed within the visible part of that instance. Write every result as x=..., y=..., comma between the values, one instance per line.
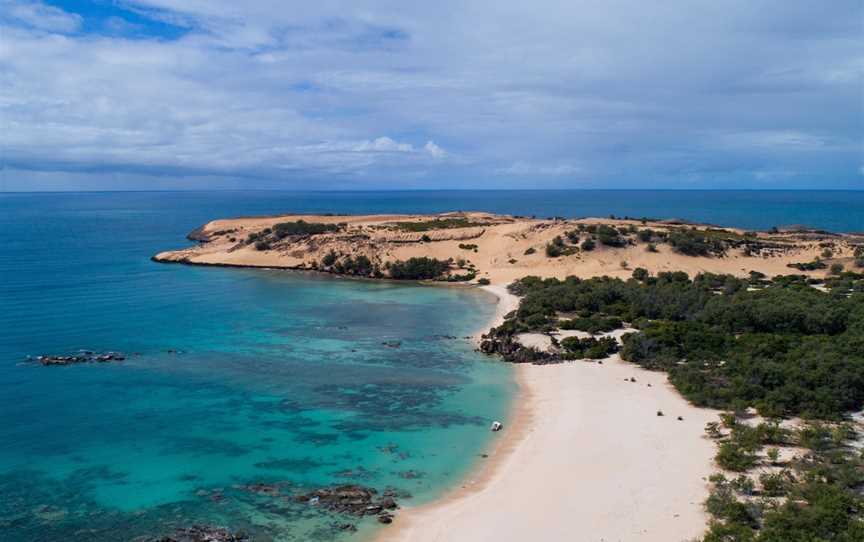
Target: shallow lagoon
x=236, y=377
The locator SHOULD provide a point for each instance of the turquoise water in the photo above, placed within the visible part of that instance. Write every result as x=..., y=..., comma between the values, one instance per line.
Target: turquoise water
x=276, y=377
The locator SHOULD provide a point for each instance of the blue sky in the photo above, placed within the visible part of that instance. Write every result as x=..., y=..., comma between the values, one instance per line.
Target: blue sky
x=161, y=94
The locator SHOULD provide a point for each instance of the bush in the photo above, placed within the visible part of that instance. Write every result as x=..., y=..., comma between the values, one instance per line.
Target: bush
x=468, y=246
x=425, y=238
x=438, y=224
x=529, y=251
x=588, y=245
x=640, y=274
x=557, y=248
x=329, y=259
x=285, y=229
x=836, y=268
x=418, y=269
x=610, y=237
x=593, y=324
x=262, y=245
x=732, y=456
x=483, y=281
x=589, y=348
x=359, y=265
x=808, y=266
x=695, y=243
x=651, y=247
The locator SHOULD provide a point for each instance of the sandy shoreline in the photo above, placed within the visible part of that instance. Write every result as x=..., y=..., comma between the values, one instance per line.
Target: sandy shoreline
x=584, y=457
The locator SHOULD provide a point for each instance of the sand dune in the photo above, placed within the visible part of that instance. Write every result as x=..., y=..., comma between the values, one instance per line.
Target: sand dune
x=500, y=248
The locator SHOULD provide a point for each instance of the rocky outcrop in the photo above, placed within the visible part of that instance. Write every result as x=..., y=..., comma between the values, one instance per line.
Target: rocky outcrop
x=354, y=500
x=204, y=533
x=510, y=350
x=82, y=356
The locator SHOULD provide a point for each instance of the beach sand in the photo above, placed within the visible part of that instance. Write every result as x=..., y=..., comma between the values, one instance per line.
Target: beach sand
x=584, y=457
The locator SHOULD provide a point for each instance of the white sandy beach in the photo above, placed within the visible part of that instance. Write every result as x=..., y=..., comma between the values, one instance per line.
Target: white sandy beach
x=584, y=457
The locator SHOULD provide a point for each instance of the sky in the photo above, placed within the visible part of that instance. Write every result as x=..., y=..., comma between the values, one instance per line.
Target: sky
x=394, y=94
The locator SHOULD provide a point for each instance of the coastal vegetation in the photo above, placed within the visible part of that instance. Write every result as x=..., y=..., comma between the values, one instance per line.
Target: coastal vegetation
x=780, y=346
x=813, y=495
x=264, y=239
x=439, y=224
x=588, y=348
x=808, y=266
x=418, y=268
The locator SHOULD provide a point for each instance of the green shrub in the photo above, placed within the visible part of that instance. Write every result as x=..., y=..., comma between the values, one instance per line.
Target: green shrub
x=610, y=237
x=483, y=281
x=300, y=227
x=593, y=324
x=590, y=347
x=418, y=269
x=329, y=259
x=695, y=243
x=733, y=456
x=588, y=245
x=808, y=266
x=438, y=224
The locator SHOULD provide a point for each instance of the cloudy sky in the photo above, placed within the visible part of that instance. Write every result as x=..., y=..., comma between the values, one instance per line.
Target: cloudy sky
x=363, y=94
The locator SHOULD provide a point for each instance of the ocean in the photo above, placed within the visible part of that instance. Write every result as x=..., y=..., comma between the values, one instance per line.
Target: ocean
x=239, y=377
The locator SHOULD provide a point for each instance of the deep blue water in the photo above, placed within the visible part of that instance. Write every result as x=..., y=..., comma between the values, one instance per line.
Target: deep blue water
x=277, y=377
x=833, y=210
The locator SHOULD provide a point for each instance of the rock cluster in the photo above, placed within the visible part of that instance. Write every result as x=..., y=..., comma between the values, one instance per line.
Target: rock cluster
x=354, y=500
x=204, y=533
x=82, y=356
x=510, y=350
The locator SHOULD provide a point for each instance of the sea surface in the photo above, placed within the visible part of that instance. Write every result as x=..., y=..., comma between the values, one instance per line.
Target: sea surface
x=234, y=377
x=237, y=377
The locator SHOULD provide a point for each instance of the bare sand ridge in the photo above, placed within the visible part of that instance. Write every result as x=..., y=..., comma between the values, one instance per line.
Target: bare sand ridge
x=584, y=456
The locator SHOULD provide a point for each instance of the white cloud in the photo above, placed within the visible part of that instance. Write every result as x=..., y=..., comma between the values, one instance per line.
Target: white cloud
x=383, y=144
x=40, y=16
x=434, y=150
x=254, y=90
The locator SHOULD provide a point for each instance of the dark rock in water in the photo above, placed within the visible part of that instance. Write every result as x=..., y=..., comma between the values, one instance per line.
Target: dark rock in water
x=204, y=533
x=392, y=344
x=350, y=499
x=350, y=527
x=82, y=356
x=271, y=490
x=385, y=519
